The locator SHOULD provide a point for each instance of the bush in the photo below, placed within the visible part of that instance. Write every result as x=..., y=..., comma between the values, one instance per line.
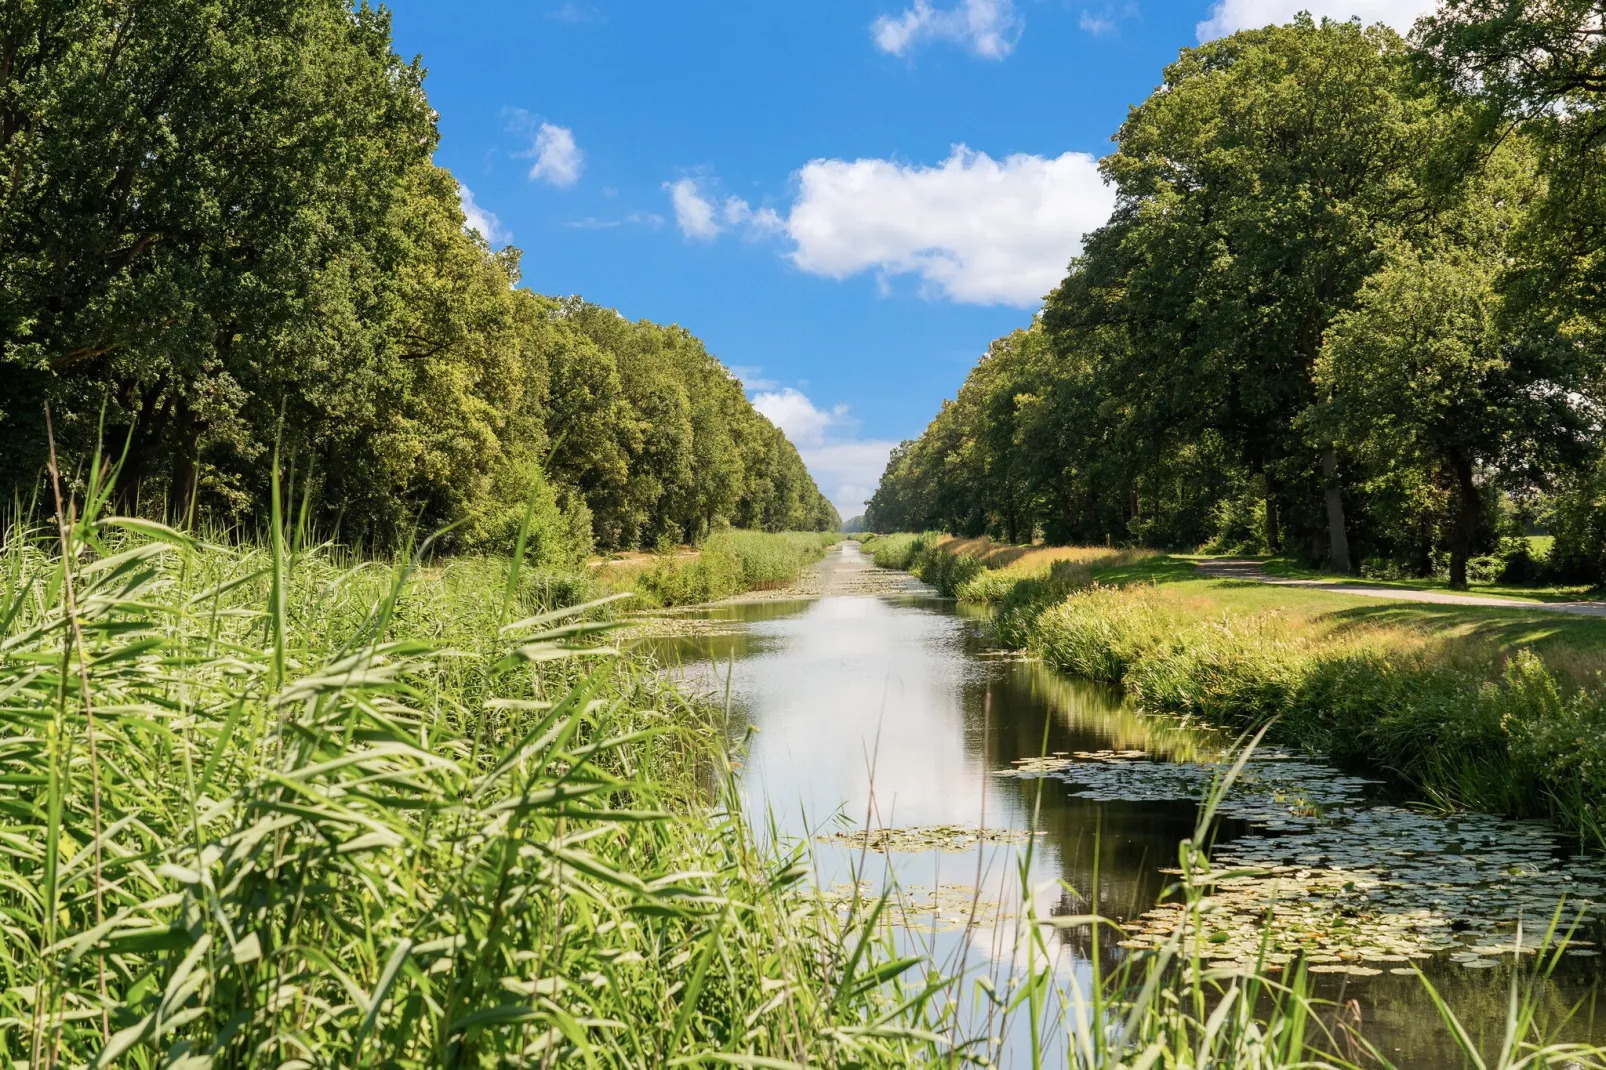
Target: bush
x=1238, y=526
x=899, y=550
x=1385, y=568
x=1520, y=564
x=1578, y=520
x=946, y=571
x=714, y=572
x=1558, y=743
x=522, y=499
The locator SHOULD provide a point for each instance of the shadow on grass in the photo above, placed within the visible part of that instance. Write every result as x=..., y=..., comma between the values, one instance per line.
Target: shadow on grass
x=1160, y=569
x=1282, y=568
x=1509, y=629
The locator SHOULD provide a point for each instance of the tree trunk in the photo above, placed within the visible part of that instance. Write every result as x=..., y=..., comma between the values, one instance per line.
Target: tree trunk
x=1274, y=535
x=1337, y=536
x=1469, y=510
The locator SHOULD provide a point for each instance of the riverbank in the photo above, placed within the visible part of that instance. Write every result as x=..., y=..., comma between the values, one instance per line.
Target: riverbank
x=1483, y=707
x=726, y=564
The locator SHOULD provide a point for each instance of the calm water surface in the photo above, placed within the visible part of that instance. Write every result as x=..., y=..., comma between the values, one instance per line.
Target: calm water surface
x=880, y=705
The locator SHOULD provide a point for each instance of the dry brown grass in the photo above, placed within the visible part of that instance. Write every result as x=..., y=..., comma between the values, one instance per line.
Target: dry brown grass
x=1026, y=557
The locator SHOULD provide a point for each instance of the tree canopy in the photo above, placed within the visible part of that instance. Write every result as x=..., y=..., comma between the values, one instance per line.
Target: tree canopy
x=223, y=245
x=1331, y=315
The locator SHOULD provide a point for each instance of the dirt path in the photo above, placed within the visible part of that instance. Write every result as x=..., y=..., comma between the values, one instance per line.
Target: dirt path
x=1250, y=571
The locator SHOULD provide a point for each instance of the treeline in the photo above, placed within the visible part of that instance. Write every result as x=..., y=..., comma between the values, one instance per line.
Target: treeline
x=1348, y=307
x=223, y=241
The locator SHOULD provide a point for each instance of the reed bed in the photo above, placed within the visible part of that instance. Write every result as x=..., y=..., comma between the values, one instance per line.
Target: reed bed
x=266, y=806
x=727, y=563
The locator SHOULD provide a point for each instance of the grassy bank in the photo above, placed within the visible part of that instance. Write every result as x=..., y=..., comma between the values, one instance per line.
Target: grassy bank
x=1491, y=708
x=727, y=563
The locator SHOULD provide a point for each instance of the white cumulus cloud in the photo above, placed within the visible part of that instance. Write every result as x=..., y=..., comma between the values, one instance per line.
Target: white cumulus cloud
x=989, y=28
x=978, y=230
x=558, y=159
x=478, y=218
x=700, y=216
x=1229, y=16
x=792, y=411
x=847, y=472
x=696, y=214
x=845, y=467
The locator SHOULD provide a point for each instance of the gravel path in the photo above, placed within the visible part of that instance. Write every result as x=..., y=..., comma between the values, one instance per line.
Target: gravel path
x=1250, y=571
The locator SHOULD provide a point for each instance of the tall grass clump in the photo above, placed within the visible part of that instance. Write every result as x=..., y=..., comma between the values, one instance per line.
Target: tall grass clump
x=267, y=806
x=771, y=560
x=900, y=549
x=727, y=563
x=944, y=571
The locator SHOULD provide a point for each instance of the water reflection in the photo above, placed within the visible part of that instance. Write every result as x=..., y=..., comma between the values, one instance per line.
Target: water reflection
x=890, y=710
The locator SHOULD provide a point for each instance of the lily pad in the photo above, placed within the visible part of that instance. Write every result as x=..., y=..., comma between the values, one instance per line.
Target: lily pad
x=918, y=839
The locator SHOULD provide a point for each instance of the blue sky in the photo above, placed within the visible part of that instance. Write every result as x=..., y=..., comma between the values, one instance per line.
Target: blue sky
x=846, y=201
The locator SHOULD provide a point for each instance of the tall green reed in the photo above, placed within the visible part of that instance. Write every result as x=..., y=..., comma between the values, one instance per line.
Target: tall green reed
x=349, y=814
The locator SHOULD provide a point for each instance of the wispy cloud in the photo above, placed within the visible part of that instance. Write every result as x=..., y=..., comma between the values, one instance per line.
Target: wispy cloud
x=1229, y=16
x=752, y=377
x=576, y=14
x=989, y=28
x=1107, y=19
x=703, y=218
x=634, y=219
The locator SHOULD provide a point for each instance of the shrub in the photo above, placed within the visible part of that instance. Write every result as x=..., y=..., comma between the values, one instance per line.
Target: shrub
x=945, y=571
x=899, y=550
x=1238, y=525
x=1559, y=743
x=1578, y=519
x=523, y=500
